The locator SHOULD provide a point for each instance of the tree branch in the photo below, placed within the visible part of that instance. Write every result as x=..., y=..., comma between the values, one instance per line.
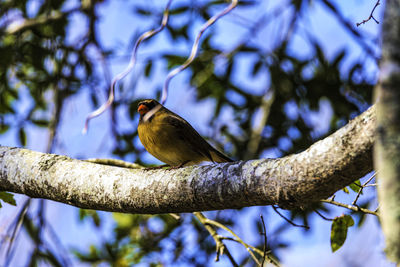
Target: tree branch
x=220, y=247
x=350, y=207
x=207, y=221
x=371, y=16
x=41, y=20
x=292, y=181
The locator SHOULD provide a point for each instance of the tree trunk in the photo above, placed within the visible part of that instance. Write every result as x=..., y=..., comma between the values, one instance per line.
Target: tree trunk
x=387, y=146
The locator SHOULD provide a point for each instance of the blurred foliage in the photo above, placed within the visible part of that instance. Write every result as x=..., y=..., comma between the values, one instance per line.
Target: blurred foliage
x=42, y=66
x=92, y=214
x=7, y=198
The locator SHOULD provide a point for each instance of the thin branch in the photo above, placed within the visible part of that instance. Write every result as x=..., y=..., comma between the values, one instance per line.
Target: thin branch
x=58, y=99
x=175, y=216
x=257, y=250
x=42, y=222
x=256, y=133
x=350, y=207
x=131, y=65
x=18, y=222
x=195, y=47
x=371, y=16
x=322, y=216
x=289, y=221
x=219, y=245
x=261, y=23
x=361, y=189
x=348, y=25
x=220, y=225
x=115, y=163
x=377, y=208
x=63, y=251
x=264, y=233
x=14, y=28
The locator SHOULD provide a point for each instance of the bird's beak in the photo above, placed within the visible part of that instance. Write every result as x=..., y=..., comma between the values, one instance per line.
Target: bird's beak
x=142, y=109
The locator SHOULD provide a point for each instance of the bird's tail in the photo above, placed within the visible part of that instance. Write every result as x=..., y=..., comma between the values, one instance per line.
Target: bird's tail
x=219, y=157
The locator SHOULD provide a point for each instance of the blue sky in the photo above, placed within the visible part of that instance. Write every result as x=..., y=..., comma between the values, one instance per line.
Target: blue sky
x=116, y=29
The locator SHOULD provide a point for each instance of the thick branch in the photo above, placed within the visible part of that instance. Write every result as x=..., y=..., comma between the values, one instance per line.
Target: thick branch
x=292, y=181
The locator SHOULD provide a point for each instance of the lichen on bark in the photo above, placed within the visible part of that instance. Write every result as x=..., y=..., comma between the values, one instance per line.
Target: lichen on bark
x=292, y=181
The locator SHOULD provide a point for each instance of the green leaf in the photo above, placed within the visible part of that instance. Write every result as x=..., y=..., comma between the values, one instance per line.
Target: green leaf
x=22, y=136
x=148, y=68
x=346, y=190
x=92, y=214
x=256, y=67
x=356, y=186
x=339, y=230
x=4, y=128
x=178, y=10
x=7, y=198
x=41, y=123
x=143, y=11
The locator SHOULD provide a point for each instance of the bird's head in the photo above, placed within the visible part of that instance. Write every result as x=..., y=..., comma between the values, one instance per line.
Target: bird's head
x=147, y=108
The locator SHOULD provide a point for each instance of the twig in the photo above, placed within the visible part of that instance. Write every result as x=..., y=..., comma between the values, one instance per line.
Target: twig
x=371, y=16
x=322, y=216
x=220, y=225
x=195, y=47
x=256, y=133
x=347, y=25
x=350, y=207
x=18, y=222
x=116, y=163
x=175, y=216
x=257, y=250
x=220, y=246
x=64, y=253
x=40, y=20
x=42, y=222
x=377, y=208
x=264, y=233
x=58, y=99
x=131, y=65
x=361, y=189
x=245, y=39
x=289, y=221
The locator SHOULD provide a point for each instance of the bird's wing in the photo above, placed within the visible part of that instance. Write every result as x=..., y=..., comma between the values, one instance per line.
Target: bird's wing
x=187, y=133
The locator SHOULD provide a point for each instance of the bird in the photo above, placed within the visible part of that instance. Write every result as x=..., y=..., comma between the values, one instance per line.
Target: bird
x=171, y=139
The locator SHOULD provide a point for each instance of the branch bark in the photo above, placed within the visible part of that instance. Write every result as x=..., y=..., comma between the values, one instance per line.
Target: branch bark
x=387, y=147
x=292, y=181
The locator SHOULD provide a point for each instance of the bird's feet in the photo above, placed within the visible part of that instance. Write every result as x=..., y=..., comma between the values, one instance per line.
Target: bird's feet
x=180, y=165
x=157, y=167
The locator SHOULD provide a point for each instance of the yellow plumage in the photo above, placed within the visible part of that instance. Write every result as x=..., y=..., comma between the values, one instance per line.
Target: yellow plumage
x=171, y=139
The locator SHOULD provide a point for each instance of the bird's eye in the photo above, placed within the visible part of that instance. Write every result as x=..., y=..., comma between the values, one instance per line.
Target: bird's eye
x=142, y=109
